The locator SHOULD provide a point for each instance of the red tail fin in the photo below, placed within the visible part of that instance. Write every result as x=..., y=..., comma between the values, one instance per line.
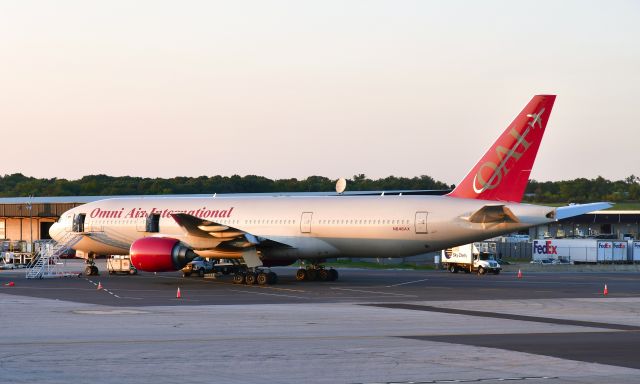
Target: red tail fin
x=503, y=172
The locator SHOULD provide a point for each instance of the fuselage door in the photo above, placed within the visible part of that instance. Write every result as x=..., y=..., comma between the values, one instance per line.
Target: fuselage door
x=421, y=222
x=153, y=223
x=78, y=222
x=305, y=222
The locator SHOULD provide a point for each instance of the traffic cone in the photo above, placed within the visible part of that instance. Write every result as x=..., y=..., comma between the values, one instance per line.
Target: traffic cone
x=99, y=285
x=606, y=291
x=178, y=295
x=519, y=274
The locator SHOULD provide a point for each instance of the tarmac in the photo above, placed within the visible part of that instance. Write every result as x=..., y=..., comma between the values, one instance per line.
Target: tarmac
x=371, y=326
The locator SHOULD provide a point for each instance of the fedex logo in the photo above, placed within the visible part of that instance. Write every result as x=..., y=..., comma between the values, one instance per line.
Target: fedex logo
x=605, y=245
x=545, y=248
x=619, y=245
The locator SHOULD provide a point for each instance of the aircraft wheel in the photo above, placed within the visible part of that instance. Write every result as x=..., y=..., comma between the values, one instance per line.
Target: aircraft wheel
x=453, y=269
x=262, y=278
x=201, y=272
x=333, y=275
x=88, y=270
x=481, y=271
x=312, y=274
x=94, y=270
x=250, y=279
x=133, y=271
x=238, y=278
x=323, y=274
x=301, y=274
x=273, y=278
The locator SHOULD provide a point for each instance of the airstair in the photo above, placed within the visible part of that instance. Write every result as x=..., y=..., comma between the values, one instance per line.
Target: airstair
x=46, y=262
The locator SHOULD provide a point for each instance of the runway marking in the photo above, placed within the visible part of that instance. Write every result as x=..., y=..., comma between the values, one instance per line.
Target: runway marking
x=508, y=316
x=260, y=286
x=104, y=289
x=373, y=292
x=268, y=294
x=408, y=282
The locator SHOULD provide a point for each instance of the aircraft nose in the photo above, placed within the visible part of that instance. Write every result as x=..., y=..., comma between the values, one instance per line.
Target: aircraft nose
x=55, y=231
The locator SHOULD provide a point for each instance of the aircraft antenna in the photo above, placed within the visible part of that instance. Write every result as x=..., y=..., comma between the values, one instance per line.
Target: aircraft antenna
x=341, y=185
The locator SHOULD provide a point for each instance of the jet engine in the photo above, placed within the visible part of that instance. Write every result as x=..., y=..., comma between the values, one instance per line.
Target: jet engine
x=160, y=254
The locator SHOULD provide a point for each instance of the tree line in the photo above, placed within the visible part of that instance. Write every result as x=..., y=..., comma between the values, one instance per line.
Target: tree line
x=584, y=190
x=103, y=185
x=569, y=191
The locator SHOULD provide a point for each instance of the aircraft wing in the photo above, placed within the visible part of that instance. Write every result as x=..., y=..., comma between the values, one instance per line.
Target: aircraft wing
x=493, y=213
x=579, y=209
x=229, y=236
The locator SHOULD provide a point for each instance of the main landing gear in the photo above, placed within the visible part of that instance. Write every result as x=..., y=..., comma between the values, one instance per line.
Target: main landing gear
x=316, y=272
x=257, y=276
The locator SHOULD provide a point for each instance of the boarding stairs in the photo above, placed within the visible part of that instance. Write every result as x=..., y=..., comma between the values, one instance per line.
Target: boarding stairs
x=46, y=262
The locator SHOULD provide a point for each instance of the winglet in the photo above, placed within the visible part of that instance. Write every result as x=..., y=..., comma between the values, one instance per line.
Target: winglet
x=503, y=172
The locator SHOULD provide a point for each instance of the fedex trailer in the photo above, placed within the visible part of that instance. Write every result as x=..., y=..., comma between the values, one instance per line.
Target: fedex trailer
x=584, y=251
x=571, y=250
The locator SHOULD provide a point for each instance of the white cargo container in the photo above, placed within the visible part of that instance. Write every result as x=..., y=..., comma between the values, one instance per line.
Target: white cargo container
x=575, y=250
x=468, y=258
x=620, y=251
x=605, y=251
x=636, y=251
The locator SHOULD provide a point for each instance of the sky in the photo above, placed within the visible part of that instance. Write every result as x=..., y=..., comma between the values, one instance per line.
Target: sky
x=297, y=88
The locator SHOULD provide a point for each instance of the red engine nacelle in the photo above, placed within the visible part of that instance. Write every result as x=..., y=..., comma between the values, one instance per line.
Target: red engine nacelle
x=159, y=254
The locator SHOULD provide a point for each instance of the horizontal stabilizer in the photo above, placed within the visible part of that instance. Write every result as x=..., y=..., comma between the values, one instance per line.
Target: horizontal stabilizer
x=580, y=209
x=493, y=214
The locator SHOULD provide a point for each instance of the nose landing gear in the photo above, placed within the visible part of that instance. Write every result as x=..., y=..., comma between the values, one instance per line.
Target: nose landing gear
x=91, y=269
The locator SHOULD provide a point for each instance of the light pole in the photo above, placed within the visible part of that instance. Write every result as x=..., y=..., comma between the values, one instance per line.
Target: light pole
x=29, y=206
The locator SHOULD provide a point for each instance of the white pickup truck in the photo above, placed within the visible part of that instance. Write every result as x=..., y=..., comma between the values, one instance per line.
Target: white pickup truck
x=470, y=258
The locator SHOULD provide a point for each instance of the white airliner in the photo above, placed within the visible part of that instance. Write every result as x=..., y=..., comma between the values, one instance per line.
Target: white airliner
x=163, y=234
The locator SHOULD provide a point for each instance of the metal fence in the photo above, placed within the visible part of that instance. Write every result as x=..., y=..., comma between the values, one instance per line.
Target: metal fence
x=512, y=250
